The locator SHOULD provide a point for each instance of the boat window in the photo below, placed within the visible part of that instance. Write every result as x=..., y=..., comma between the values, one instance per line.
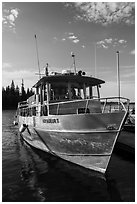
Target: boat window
x=76, y=93
x=59, y=93
x=34, y=111
x=27, y=112
x=83, y=110
x=95, y=92
x=44, y=110
x=71, y=91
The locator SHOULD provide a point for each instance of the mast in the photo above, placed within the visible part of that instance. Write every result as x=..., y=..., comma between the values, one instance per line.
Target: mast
x=37, y=55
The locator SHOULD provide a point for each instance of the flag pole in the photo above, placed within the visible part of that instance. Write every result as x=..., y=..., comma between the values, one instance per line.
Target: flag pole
x=118, y=76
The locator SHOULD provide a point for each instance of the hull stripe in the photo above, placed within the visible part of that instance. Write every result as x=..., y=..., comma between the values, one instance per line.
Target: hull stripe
x=82, y=154
x=77, y=131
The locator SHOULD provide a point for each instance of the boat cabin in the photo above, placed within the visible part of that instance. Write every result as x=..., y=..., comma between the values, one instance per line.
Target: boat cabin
x=65, y=93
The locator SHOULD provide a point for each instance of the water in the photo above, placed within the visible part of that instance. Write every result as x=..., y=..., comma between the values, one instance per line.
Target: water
x=30, y=175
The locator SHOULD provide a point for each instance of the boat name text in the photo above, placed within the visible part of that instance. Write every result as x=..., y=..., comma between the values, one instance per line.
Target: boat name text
x=52, y=120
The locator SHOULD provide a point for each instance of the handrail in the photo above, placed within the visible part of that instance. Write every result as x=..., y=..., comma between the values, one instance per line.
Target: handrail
x=119, y=101
x=107, y=101
x=78, y=100
x=84, y=106
x=104, y=106
x=72, y=101
x=58, y=109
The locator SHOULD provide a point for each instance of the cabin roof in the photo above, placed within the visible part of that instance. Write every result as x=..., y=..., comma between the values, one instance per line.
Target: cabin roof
x=89, y=81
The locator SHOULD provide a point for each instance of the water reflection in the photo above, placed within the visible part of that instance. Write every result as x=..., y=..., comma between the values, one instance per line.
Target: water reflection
x=53, y=179
x=30, y=170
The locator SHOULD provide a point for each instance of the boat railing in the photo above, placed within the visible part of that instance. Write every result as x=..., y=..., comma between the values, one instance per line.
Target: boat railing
x=94, y=105
x=113, y=104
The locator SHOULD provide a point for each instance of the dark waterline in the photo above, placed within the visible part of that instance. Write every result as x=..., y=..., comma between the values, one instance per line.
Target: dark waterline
x=31, y=175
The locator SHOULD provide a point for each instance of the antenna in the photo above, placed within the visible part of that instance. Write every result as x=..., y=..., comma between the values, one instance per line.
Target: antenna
x=73, y=56
x=95, y=58
x=118, y=75
x=37, y=56
x=46, y=69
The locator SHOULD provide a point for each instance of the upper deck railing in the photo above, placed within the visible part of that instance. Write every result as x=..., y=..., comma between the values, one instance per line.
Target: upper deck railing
x=82, y=106
x=112, y=104
x=102, y=105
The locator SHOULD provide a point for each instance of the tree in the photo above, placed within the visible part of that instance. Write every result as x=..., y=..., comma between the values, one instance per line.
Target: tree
x=12, y=86
x=11, y=95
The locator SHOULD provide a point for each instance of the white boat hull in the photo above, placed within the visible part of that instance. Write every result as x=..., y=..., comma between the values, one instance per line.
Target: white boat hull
x=86, y=140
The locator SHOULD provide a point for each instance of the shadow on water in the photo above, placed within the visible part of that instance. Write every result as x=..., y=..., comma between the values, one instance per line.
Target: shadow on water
x=48, y=178
x=120, y=175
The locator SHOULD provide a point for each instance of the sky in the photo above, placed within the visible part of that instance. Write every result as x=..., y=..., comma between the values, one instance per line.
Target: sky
x=94, y=31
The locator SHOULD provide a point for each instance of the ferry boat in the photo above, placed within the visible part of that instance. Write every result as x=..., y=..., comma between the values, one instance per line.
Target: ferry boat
x=67, y=120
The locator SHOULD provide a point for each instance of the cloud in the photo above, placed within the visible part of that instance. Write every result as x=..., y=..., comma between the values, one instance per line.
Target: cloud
x=106, y=43
x=63, y=39
x=70, y=36
x=132, y=52
x=109, y=40
x=105, y=13
x=70, y=33
x=9, y=18
x=122, y=41
x=75, y=40
x=15, y=12
x=17, y=76
x=55, y=38
x=73, y=37
x=6, y=65
x=104, y=46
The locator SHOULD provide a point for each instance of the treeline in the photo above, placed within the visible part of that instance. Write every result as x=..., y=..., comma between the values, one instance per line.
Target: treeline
x=11, y=95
